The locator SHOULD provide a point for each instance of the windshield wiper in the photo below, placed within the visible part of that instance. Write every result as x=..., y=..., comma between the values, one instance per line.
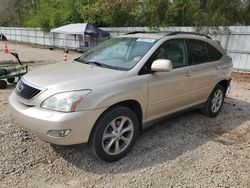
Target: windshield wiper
x=96, y=63
x=106, y=66
x=99, y=64
x=90, y=62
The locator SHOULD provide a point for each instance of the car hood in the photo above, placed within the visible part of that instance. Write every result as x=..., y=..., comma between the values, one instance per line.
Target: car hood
x=70, y=76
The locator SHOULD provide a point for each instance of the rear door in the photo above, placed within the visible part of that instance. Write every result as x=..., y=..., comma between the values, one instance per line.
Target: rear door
x=206, y=66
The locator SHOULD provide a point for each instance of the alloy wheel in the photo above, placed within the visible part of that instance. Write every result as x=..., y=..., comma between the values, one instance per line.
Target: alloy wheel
x=117, y=135
x=217, y=101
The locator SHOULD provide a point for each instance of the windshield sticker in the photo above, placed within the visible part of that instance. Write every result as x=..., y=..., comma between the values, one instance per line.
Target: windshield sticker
x=145, y=40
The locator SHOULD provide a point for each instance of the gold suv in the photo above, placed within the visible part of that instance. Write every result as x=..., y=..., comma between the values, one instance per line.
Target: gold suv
x=107, y=95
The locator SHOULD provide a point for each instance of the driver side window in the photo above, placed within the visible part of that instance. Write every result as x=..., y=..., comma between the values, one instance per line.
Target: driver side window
x=174, y=50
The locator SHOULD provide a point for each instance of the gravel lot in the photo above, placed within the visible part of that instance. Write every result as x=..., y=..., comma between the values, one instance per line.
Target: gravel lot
x=188, y=150
x=39, y=54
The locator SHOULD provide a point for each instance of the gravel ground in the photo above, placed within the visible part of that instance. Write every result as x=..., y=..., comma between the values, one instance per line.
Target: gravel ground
x=39, y=54
x=188, y=150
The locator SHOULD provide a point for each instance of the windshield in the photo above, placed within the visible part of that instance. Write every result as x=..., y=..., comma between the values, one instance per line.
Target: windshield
x=118, y=53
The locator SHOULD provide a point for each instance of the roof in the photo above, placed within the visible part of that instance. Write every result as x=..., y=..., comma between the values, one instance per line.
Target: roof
x=78, y=28
x=81, y=29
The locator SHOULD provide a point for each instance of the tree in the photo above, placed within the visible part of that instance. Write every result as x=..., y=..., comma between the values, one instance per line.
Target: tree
x=246, y=13
x=52, y=13
x=177, y=14
x=218, y=13
x=11, y=12
x=48, y=14
x=107, y=12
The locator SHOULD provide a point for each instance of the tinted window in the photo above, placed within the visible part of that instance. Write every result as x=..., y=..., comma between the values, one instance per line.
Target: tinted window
x=198, y=51
x=214, y=54
x=174, y=50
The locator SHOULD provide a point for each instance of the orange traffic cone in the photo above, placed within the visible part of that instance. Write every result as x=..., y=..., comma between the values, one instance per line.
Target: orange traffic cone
x=65, y=57
x=5, y=48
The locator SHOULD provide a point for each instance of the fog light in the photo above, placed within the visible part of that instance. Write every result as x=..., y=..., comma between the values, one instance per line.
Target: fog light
x=59, y=133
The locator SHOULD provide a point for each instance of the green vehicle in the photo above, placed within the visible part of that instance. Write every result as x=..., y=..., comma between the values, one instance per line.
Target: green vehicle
x=10, y=73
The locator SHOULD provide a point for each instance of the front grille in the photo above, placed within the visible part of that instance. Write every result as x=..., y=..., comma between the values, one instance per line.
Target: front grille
x=25, y=91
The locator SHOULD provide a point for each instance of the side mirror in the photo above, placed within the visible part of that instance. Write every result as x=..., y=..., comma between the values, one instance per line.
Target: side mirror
x=162, y=65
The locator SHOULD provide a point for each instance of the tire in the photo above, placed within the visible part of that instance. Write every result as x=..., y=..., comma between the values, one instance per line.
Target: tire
x=11, y=80
x=108, y=143
x=3, y=84
x=215, y=102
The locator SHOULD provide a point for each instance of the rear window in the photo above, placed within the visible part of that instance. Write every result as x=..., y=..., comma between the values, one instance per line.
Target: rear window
x=214, y=54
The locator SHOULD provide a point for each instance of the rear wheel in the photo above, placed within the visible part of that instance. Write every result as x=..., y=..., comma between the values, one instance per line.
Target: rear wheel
x=3, y=84
x=114, y=134
x=11, y=80
x=214, y=102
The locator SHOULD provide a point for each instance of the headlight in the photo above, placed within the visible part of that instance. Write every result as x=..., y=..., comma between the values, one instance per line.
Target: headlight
x=65, y=102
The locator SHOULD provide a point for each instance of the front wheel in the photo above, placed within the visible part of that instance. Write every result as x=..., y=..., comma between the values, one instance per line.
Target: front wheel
x=114, y=134
x=214, y=102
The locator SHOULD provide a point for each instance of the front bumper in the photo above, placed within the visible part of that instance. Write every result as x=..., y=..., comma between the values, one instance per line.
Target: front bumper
x=40, y=121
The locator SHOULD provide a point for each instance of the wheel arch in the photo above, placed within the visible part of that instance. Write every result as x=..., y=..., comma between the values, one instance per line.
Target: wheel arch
x=225, y=84
x=131, y=104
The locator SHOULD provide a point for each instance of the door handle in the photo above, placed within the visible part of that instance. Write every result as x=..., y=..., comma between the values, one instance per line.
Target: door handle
x=189, y=73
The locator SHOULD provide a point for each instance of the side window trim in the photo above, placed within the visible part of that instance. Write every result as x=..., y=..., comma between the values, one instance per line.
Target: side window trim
x=189, y=52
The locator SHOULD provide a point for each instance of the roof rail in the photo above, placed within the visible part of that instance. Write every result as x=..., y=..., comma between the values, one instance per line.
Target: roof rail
x=188, y=33
x=135, y=32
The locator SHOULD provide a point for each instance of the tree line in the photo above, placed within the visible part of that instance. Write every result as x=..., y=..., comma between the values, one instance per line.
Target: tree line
x=48, y=14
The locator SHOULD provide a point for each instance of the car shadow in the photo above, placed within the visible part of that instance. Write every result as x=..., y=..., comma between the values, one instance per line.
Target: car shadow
x=167, y=140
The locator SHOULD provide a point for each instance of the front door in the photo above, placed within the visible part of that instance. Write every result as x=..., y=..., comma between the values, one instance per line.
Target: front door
x=169, y=92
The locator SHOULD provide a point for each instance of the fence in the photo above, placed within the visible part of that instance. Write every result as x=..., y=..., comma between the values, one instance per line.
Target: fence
x=235, y=39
